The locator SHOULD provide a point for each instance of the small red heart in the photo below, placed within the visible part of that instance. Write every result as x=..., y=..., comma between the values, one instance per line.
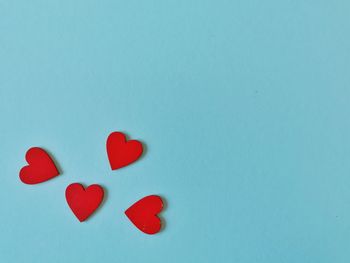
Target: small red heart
x=83, y=202
x=143, y=214
x=122, y=152
x=40, y=167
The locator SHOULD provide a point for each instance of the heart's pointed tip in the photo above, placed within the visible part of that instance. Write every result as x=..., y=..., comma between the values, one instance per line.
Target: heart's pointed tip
x=81, y=220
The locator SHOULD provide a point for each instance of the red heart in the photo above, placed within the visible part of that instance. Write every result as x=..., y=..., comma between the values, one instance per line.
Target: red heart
x=40, y=167
x=83, y=202
x=143, y=214
x=122, y=152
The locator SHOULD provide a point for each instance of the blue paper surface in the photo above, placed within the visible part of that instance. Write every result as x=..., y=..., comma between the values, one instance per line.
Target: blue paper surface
x=243, y=106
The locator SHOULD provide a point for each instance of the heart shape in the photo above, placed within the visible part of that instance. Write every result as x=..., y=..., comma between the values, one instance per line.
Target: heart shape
x=83, y=202
x=40, y=167
x=122, y=152
x=143, y=214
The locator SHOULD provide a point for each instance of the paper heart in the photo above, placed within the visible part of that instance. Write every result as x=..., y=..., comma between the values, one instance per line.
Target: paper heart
x=40, y=167
x=143, y=214
x=83, y=202
x=122, y=152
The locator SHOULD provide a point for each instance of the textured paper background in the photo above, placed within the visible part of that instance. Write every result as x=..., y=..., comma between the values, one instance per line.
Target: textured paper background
x=243, y=106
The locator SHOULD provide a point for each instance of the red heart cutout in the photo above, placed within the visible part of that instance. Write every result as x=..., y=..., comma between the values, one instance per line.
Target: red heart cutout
x=122, y=152
x=40, y=167
x=143, y=214
x=83, y=202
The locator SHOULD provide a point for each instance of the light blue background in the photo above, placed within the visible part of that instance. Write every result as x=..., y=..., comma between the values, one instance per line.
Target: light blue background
x=243, y=105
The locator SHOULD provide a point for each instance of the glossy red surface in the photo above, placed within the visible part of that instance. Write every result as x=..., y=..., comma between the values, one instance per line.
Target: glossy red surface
x=122, y=152
x=143, y=214
x=84, y=201
x=40, y=167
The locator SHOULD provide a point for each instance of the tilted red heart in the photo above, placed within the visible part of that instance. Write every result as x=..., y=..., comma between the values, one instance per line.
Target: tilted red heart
x=83, y=202
x=143, y=214
x=122, y=152
x=40, y=167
